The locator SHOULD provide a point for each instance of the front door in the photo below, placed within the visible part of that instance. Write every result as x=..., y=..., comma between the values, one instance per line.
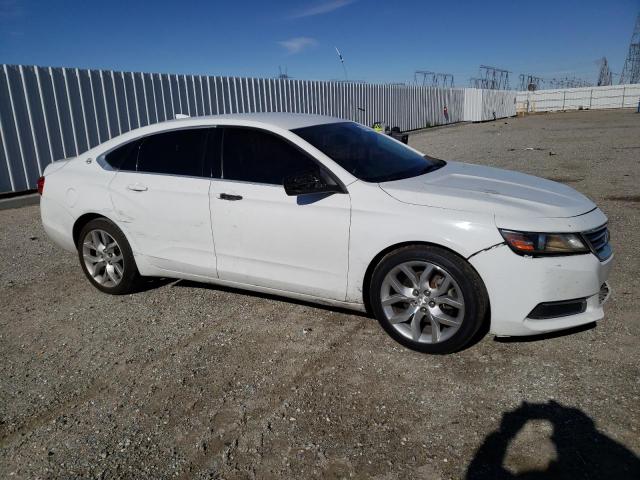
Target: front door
x=265, y=237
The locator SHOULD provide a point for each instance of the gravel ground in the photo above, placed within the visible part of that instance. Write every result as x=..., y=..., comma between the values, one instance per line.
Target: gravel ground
x=192, y=381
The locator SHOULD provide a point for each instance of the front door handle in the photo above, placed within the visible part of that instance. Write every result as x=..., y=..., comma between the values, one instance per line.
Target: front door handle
x=137, y=187
x=228, y=196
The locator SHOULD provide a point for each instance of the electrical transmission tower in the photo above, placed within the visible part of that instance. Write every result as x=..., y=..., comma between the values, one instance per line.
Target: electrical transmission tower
x=631, y=70
x=283, y=75
x=530, y=82
x=475, y=82
x=433, y=79
x=605, y=77
x=492, y=78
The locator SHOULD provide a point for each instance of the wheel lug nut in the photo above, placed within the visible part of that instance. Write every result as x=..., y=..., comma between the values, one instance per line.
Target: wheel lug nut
x=423, y=309
x=416, y=293
x=432, y=304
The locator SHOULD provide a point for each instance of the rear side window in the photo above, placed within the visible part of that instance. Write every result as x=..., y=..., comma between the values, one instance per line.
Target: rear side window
x=257, y=156
x=123, y=157
x=180, y=152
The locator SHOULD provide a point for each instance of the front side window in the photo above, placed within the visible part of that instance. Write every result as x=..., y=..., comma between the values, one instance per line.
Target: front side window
x=257, y=156
x=366, y=154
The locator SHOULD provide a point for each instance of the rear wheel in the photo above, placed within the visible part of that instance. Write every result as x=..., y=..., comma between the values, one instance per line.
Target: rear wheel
x=106, y=257
x=428, y=298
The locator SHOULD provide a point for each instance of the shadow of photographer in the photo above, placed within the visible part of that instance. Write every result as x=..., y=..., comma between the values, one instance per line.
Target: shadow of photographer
x=582, y=451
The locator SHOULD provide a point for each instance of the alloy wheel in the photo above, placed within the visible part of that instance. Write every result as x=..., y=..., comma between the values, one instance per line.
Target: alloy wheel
x=103, y=258
x=422, y=301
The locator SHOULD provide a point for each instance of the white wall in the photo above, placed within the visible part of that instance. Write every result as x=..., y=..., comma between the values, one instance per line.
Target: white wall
x=613, y=96
x=481, y=105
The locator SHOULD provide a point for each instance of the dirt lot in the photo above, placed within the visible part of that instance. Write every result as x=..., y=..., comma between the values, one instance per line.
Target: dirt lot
x=191, y=381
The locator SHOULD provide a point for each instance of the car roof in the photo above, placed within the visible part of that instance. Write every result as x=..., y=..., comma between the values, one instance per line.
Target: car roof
x=287, y=121
x=271, y=120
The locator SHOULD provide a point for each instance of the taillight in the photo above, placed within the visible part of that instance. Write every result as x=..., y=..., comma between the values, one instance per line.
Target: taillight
x=41, y=185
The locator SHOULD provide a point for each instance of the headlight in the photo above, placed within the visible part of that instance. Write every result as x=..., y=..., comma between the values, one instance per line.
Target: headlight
x=529, y=243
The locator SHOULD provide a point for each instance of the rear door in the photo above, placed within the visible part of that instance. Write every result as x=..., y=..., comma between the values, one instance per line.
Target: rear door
x=161, y=197
x=265, y=237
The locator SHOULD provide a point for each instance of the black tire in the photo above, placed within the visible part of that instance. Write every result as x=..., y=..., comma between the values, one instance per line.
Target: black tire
x=130, y=275
x=476, y=301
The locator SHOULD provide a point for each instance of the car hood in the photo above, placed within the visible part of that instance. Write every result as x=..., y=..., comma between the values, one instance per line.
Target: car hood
x=462, y=186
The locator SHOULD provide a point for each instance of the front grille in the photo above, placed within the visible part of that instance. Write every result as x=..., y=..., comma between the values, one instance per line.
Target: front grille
x=598, y=240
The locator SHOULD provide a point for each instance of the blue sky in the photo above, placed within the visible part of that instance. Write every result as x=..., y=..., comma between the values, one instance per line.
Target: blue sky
x=381, y=41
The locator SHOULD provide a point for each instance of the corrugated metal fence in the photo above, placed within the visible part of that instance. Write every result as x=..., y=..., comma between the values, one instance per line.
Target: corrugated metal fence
x=52, y=113
x=613, y=96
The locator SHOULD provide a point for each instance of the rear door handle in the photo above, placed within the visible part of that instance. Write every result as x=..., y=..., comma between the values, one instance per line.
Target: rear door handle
x=137, y=187
x=228, y=196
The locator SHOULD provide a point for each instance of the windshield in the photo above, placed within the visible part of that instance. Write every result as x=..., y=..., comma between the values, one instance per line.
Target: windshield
x=366, y=154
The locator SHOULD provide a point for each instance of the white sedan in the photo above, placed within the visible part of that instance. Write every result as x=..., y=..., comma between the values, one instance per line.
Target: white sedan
x=329, y=211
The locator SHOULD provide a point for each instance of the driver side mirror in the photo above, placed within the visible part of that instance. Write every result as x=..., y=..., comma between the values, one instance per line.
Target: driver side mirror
x=310, y=181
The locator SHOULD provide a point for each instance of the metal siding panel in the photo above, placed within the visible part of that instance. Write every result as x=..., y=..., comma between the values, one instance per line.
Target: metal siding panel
x=223, y=93
x=5, y=175
x=111, y=104
x=64, y=118
x=11, y=132
x=10, y=145
x=86, y=92
x=150, y=101
x=51, y=114
x=167, y=96
x=43, y=112
x=130, y=100
x=139, y=94
x=192, y=95
x=118, y=88
x=158, y=90
x=36, y=119
x=210, y=97
x=203, y=91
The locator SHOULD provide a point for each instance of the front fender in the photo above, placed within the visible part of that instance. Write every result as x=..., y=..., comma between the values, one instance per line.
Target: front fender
x=379, y=221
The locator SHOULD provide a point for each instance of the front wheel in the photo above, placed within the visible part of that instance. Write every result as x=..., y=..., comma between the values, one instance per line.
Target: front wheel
x=428, y=298
x=106, y=257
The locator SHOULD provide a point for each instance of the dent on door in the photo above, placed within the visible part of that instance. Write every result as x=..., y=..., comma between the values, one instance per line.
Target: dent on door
x=169, y=218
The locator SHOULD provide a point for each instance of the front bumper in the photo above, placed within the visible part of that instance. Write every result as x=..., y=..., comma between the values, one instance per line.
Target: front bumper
x=516, y=285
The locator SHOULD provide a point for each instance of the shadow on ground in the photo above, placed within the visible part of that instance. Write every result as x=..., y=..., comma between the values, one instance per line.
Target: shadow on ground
x=546, y=336
x=582, y=451
x=268, y=296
